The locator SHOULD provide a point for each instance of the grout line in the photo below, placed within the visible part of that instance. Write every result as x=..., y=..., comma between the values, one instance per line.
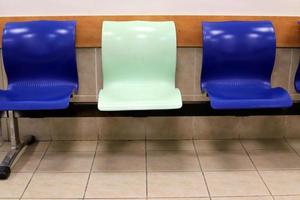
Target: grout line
x=203, y=174
x=292, y=148
x=91, y=169
x=34, y=172
x=257, y=170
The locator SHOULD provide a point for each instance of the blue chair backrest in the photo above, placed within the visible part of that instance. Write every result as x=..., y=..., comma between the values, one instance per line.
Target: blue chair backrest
x=238, y=51
x=40, y=53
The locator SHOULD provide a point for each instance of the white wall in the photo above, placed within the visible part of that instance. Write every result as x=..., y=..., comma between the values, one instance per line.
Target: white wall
x=149, y=7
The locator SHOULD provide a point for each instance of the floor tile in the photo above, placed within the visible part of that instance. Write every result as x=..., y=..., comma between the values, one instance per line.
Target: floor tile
x=5, y=146
x=170, y=145
x=38, y=147
x=215, y=145
x=216, y=127
x=75, y=128
x=275, y=159
x=265, y=144
x=168, y=128
x=295, y=143
x=225, y=160
x=292, y=122
x=287, y=197
x=176, y=184
x=28, y=162
x=120, y=161
x=176, y=198
x=173, y=170
x=297, y=151
x=172, y=161
x=2, y=155
x=62, y=146
x=121, y=146
x=15, y=185
x=41, y=128
x=247, y=183
x=244, y=198
x=254, y=127
x=122, y=128
x=116, y=199
x=282, y=182
x=57, y=185
x=117, y=185
x=8, y=199
x=66, y=162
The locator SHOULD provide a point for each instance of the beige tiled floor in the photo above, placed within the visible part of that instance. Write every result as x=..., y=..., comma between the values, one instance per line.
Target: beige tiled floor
x=158, y=170
x=172, y=161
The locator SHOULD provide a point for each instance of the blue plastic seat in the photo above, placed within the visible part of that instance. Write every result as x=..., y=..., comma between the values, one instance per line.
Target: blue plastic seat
x=238, y=59
x=40, y=62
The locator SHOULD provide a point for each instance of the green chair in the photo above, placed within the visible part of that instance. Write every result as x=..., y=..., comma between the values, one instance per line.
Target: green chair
x=139, y=66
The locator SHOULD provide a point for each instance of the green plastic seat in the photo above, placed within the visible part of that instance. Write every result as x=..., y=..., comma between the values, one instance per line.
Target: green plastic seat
x=139, y=66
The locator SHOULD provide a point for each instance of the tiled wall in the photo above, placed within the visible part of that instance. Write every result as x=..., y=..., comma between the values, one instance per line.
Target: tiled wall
x=187, y=79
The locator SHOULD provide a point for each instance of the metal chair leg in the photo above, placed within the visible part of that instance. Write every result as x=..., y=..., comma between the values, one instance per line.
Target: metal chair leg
x=16, y=146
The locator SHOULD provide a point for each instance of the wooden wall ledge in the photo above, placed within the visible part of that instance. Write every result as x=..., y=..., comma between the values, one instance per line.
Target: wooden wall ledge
x=189, y=33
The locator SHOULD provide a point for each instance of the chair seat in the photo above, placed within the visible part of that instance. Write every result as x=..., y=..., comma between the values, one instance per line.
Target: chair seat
x=247, y=97
x=141, y=98
x=35, y=98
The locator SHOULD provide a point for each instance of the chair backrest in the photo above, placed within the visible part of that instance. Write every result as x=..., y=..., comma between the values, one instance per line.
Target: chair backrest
x=238, y=51
x=138, y=53
x=40, y=53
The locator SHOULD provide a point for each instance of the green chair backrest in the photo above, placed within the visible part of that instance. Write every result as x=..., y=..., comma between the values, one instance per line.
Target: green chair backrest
x=139, y=53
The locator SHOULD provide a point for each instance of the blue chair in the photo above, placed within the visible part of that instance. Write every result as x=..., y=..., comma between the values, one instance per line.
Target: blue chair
x=40, y=62
x=238, y=59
